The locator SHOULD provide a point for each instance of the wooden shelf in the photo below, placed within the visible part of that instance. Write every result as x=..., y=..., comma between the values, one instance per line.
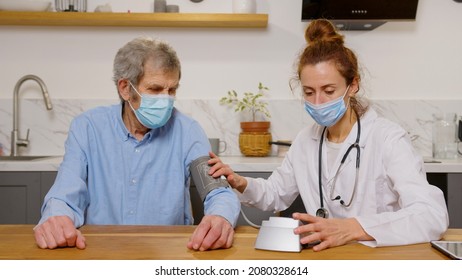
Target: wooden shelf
x=134, y=19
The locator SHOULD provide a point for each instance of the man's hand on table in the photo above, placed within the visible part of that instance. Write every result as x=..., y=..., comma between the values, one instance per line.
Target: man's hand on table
x=58, y=231
x=213, y=232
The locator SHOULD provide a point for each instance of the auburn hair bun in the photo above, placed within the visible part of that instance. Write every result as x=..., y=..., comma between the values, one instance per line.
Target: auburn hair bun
x=322, y=30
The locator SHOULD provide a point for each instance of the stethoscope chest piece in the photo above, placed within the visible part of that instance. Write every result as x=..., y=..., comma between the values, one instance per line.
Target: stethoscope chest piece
x=322, y=212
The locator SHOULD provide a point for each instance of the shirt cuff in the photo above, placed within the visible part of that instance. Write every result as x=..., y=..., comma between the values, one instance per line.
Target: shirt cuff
x=56, y=207
x=223, y=202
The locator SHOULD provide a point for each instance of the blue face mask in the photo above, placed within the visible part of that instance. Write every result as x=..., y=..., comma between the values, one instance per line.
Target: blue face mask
x=154, y=110
x=327, y=114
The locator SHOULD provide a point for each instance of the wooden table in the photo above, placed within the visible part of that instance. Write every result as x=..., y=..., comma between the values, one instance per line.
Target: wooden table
x=169, y=243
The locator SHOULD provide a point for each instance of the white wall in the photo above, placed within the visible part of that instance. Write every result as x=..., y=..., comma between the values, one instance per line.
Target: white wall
x=405, y=60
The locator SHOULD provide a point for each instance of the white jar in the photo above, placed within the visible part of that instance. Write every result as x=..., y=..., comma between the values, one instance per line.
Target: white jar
x=244, y=6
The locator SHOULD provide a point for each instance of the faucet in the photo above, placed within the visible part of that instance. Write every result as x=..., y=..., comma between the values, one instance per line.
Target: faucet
x=15, y=140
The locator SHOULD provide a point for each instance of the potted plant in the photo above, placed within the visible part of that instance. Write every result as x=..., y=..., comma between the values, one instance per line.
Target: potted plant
x=255, y=138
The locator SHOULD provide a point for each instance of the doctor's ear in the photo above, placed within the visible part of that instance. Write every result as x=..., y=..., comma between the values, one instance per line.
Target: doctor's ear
x=354, y=87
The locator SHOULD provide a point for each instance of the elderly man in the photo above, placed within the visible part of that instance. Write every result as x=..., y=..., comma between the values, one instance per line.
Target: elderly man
x=130, y=163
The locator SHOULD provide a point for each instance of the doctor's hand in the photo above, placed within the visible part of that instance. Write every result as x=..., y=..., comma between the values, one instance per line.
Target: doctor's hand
x=213, y=232
x=58, y=231
x=218, y=169
x=330, y=232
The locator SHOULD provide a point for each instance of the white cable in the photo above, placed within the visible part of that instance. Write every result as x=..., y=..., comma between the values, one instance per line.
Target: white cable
x=248, y=221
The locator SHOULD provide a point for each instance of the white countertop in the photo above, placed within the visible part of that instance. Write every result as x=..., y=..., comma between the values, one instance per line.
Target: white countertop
x=268, y=164
x=44, y=164
x=237, y=163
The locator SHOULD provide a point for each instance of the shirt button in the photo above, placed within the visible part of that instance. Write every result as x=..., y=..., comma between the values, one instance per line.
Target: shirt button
x=137, y=150
x=132, y=212
x=133, y=181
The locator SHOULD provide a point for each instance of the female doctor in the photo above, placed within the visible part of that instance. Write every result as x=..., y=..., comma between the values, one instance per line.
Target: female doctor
x=357, y=173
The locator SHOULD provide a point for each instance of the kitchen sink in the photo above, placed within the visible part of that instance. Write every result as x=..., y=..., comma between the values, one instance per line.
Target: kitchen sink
x=22, y=158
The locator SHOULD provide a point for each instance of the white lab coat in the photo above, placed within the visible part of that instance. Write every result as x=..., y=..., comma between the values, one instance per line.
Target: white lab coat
x=394, y=203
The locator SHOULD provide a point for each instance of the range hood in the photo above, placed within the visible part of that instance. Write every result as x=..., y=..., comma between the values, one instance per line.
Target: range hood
x=359, y=14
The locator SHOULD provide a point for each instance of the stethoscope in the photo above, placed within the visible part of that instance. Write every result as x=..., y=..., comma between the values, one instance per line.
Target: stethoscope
x=322, y=212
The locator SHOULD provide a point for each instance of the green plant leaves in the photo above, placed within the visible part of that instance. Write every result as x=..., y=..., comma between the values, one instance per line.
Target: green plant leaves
x=250, y=101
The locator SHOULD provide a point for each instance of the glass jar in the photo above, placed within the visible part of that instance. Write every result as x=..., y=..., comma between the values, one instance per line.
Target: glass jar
x=71, y=5
x=444, y=141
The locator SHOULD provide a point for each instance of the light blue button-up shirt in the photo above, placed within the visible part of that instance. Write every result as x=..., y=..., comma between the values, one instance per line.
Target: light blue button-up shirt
x=109, y=177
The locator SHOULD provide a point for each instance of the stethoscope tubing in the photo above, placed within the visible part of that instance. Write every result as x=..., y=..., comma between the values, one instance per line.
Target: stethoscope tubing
x=322, y=212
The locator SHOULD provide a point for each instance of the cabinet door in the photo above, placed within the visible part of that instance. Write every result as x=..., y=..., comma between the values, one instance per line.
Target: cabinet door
x=454, y=200
x=19, y=197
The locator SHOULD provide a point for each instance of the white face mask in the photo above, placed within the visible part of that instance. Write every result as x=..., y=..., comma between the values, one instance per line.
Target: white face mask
x=329, y=113
x=154, y=110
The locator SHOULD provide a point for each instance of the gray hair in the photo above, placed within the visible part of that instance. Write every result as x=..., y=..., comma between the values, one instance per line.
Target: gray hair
x=130, y=59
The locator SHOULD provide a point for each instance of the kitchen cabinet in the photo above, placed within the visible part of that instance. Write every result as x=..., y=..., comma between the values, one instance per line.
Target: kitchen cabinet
x=451, y=185
x=454, y=199
x=134, y=19
x=21, y=195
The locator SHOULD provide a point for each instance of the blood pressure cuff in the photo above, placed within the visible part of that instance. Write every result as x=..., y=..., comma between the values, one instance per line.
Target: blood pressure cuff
x=202, y=180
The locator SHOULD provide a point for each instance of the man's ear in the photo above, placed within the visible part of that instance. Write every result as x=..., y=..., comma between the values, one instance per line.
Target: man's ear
x=124, y=89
